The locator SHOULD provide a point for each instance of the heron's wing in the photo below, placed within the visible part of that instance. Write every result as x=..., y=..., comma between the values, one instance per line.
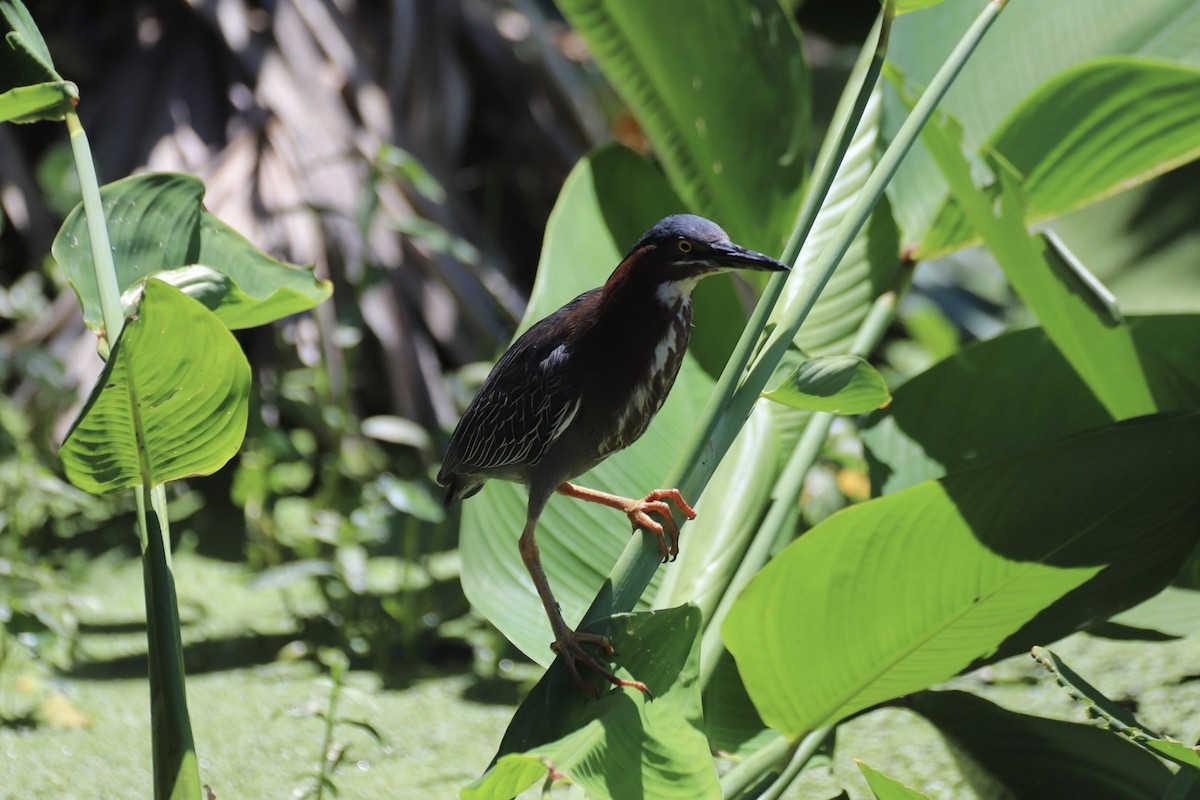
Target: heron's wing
x=522, y=408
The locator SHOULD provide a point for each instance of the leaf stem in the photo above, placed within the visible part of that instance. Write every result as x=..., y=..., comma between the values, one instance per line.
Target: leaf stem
x=93, y=209
x=176, y=772
x=719, y=423
x=795, y=314
x=750, y=771
x=788, y=487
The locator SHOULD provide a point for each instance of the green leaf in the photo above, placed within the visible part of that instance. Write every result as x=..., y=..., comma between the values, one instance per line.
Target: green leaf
x=868, y=269
x=1173, y=613
x=596, y=219
x=838, y=384
x=1014, y=392
x=722, y=91
x=37, y=102
x=1031, y=44
x=730, y=721
x=886, y=788
x=26, y=59
x=1115, y=717
x=157, y=223
x=896, y=594
x=623, y=745
x=714, y=542
x=1026, y=754
x=1099, y=347
x=904, y=7
x=1096, y=129
x=171, y=402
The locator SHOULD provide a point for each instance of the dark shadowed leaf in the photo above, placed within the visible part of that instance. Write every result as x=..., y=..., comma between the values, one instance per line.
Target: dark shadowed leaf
x=1011, y=393
x=1027, y=754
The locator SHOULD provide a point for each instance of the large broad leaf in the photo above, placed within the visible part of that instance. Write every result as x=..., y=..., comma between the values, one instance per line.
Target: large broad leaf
x=1069, y=303
x=1091, y=131
x=157, y=225
x=1029, y=44
x=603, y=208
x=1012, y=393
x=1026, y=754
x=868, y=269
x=896, y=594
x=722, y=91
x=623, y=745
x=171, y=402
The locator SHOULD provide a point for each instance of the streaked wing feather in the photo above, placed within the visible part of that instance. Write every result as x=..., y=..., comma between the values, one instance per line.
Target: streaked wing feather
x=525, y=404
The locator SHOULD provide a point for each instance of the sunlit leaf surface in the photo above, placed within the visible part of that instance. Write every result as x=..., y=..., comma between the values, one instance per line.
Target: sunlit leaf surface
x=156, y=222
x=172, y=400
x=896, y=594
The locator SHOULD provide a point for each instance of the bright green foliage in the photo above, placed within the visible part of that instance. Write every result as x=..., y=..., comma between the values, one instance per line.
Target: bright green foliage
x=1099, y=346
x=1117, y=122
x=623, y=745
x=885, y=788
x=838, y=384
x=33, y=103
x=1076, y=760
x=722, y=90
x=157, y=224
x=30, y=88
x=902, y=592
x=172, y=400
x=899, y=593
x=905, y=6
x=1031, y=44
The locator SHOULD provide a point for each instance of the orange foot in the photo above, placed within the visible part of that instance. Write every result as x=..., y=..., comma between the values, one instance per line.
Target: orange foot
x=639, y=512
x=569, y=646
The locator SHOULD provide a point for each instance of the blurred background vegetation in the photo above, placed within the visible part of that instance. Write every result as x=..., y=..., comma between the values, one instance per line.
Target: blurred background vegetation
x=411, y=150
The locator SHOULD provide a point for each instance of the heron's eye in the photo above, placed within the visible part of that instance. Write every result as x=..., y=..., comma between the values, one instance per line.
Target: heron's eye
x=684, y=246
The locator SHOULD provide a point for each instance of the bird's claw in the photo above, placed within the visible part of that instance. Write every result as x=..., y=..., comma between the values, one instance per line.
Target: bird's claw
x=655, y=502
x=569, y=647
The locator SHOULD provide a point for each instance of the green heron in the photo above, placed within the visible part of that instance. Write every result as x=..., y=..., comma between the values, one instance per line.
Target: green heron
x=582, y=384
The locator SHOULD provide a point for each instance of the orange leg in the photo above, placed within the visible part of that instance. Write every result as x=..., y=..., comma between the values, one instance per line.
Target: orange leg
x=639, y=512
x=568, y=643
